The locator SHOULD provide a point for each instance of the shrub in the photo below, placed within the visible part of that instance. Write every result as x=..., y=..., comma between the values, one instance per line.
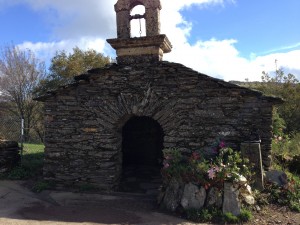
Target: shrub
x=225, y=165
x=288, y=195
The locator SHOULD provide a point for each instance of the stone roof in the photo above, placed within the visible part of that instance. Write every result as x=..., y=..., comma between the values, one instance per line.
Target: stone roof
x=83, y=78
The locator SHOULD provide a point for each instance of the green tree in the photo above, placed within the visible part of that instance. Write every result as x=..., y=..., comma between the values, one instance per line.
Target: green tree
x=76, y=63
x=20, y=74
x=65, y=66
x=288, y=88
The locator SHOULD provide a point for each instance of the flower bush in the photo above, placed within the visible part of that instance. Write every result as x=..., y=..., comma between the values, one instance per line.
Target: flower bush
x=225, y=164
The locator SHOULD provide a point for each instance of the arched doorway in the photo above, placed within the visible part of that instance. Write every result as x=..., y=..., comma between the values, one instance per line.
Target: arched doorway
x=142, y=145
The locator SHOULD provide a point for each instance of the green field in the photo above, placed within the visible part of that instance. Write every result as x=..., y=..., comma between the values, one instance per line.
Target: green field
x=30, y=149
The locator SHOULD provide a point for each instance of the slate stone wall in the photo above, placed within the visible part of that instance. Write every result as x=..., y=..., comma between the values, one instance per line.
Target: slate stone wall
x=9, y=155
x=84, y=121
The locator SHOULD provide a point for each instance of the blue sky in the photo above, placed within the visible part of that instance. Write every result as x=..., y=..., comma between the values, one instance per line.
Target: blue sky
x=20, y=23
x=228, y=39
x=261, y=27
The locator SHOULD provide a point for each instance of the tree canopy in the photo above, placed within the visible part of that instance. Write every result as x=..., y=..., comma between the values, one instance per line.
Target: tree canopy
x=65, y=66
x=69, y=65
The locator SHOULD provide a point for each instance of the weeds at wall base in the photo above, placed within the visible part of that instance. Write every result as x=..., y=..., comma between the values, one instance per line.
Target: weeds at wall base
x=40, y=186
x=216, y=216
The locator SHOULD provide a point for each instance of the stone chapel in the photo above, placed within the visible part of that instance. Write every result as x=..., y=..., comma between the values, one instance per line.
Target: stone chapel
x=125, y=114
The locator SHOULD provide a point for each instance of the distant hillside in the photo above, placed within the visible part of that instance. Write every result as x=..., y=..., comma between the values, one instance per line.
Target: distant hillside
x=245, y=83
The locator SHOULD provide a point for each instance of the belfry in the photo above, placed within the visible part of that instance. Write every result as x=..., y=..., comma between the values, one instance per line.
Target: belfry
x=149, y=48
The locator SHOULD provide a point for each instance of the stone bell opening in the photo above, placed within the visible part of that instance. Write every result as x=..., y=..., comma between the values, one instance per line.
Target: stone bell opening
x=142, y=146
x=138, y=22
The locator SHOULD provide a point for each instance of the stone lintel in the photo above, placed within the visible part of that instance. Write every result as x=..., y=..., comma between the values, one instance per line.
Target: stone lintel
x=151, y=47
x=136, y=59
x=139, y=51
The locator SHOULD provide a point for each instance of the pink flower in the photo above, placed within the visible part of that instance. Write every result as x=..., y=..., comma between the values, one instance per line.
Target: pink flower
x=166, y=164
x=222, y=144
x=211, y=173
x=217, y=169
x=168, y=157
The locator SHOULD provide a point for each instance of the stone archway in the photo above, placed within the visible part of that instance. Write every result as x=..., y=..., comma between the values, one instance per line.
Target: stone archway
x=142, y=145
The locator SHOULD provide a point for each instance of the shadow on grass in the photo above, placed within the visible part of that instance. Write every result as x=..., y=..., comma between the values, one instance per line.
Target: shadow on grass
x=30, y=167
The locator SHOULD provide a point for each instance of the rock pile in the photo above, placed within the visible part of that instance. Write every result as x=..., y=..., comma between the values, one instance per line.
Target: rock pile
x=189, y=196
x=9, y=155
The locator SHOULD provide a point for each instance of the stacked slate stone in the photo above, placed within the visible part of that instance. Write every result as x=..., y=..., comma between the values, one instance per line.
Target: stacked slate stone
x=9, y=155
x=190, y=196
x=83, y=120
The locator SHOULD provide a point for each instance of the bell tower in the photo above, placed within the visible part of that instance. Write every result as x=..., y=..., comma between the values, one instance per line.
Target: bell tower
x=149, y=48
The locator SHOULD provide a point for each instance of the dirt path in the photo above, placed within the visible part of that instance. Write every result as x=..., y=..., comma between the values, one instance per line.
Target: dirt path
x=19, y=206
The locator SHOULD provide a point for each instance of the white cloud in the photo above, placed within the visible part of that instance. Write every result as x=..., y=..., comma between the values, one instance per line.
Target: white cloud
x=74, y=18
x=74, y=23
x=46, y=51
x=218, y=58
x=88, y=24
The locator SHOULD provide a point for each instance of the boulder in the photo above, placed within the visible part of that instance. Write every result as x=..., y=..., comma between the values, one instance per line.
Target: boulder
x=193, y=197
x=276, y=177
x=214, y=198
x=246, y=194
x=173, y=195
x=231, y=201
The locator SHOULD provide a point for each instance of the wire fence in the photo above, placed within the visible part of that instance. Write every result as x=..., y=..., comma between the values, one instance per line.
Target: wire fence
x=12, y=129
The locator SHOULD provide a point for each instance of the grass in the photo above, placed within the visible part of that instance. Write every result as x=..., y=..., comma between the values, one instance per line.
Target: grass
x=197, y=215
x=31, y=168
x=33, y=148
x=31, y=165
x=216, y=216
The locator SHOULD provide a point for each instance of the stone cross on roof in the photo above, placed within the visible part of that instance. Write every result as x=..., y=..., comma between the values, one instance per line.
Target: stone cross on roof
x=142, y=49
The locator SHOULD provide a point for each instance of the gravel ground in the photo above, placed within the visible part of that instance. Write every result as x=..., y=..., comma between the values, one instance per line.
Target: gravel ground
x=273, y=214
